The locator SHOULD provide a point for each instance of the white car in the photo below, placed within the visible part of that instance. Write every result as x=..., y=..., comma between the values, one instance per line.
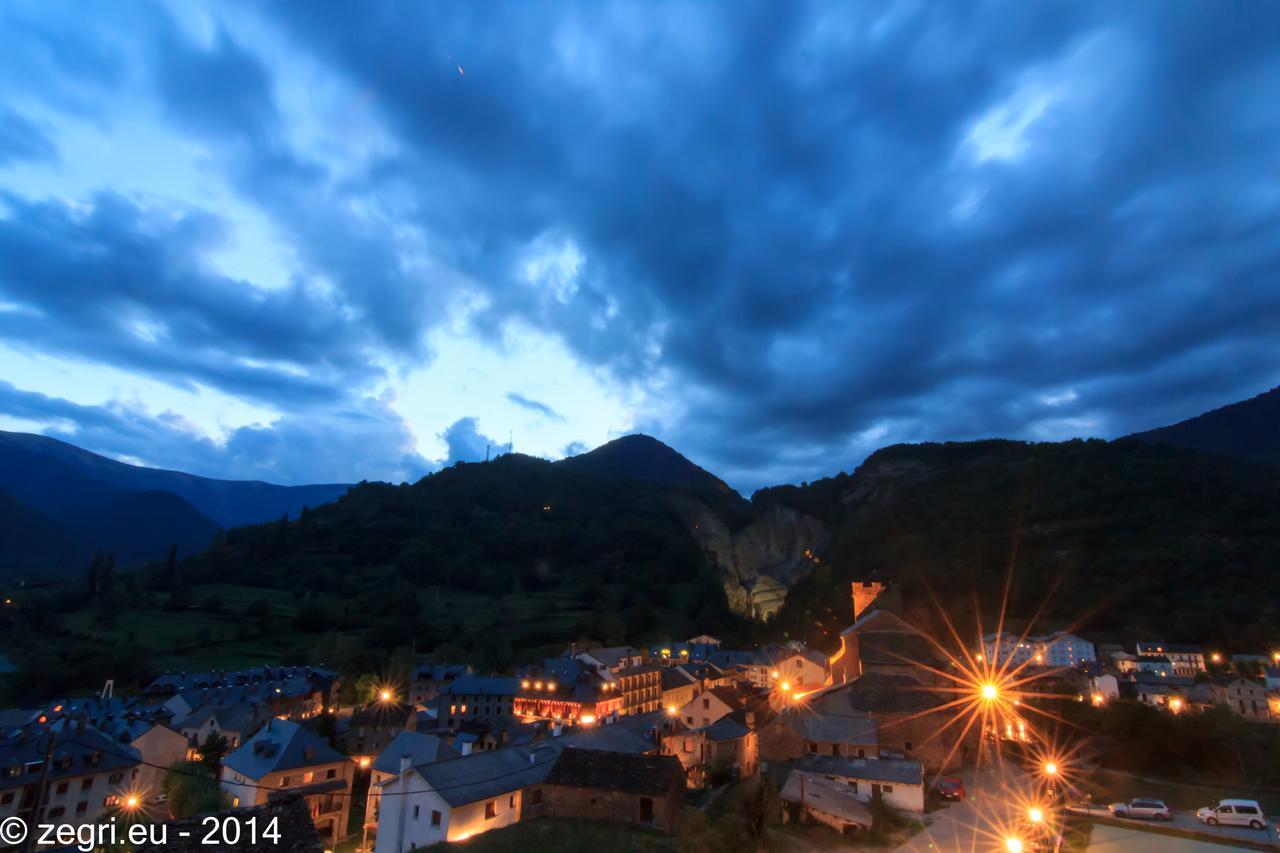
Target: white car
x=1149, y=809
x=1234, y=813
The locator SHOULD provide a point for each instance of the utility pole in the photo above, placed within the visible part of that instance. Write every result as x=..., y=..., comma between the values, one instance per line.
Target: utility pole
x=36, y=803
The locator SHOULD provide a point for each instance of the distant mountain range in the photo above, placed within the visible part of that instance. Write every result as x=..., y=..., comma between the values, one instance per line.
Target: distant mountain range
x=1138, y=528
x=1248, y=430
x=59, y=503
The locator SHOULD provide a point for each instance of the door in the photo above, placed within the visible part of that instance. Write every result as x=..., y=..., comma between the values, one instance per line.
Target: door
x=646, y=810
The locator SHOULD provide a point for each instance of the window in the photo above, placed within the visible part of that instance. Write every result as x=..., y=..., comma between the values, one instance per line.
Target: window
x=535, y=796
x=284, y=781
x=417, y=809
x=62, y=788
x=435, y=817
x=886, y=789
x=82, y=807
x=87, y=783
x=115, y=778
x=706, y=704
x=331, y=773
x=491, y=810
x=511, y=801
x=235, y=801
x=1246, y=810
x=307, y=777
x=56, y=811
x=6, y=798
x=908, y=746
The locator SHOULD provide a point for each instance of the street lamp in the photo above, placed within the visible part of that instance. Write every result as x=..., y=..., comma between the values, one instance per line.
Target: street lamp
x=989, y=692
x=1013, y=845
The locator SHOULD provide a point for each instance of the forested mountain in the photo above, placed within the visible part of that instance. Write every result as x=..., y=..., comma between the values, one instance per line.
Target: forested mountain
x=1114, y=536
x=1248, y=430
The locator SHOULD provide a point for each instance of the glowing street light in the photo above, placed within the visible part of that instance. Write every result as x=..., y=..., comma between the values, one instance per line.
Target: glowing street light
x=1175, y=704
x=786, y=687
x=385, y=695
x=131, y=802
x=1013, y=845
x=990, y=692
x=1035, y=814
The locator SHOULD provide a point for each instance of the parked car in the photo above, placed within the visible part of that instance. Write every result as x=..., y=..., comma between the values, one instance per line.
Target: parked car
x=1146, y=809
x=950, y=788
x=1234, y=813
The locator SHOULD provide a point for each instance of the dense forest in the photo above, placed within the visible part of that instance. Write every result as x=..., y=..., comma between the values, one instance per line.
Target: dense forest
x=1116, y=538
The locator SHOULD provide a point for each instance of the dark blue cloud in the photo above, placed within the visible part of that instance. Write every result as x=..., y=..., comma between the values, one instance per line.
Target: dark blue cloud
x=806, y=230
x=534, y=406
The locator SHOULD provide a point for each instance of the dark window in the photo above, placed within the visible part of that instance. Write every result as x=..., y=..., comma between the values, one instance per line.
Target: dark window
x=908, y=746
x=435, y=817
x=416, y=811
x=331, y=773
x=535, y=796
x=6, y=798
x=1246, y=810
x=82, y=807
x=56, y=811
x=115, y=778
x=511, y=801
x=646, y=810
x=87, y=783
x=62, y=787
x=490, y=809
x=706, y=703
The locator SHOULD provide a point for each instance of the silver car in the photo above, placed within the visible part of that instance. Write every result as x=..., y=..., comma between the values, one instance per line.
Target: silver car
x=1145, y=809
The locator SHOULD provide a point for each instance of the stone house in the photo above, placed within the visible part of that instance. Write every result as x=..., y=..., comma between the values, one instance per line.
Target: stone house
x=643, y=790
x=1244, y=697
x=900, y=783
x=371, y=728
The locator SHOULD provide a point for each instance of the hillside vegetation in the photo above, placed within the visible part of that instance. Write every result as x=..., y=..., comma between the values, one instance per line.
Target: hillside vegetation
x=1112, y=536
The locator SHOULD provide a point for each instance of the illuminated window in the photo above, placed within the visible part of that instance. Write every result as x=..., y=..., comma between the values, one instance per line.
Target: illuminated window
x=491, y=810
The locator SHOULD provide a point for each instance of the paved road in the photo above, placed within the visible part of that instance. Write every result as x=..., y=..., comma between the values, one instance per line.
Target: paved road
x=1122, y=839
x=979, y=822
x=1187, y=820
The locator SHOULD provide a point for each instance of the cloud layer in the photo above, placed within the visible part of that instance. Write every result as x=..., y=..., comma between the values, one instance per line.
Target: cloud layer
x=784, y=234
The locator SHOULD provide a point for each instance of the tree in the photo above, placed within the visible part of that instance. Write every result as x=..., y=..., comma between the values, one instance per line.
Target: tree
x=191, y=788
x=214, y=749
x=95, y=572
x=171, y=567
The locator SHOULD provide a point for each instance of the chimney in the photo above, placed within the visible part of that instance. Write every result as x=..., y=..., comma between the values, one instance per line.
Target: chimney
x=864, y=595
x=533, y=759
x=751, y=719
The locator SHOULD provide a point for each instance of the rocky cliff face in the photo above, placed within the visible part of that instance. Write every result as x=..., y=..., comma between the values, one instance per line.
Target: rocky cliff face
x=762, y=560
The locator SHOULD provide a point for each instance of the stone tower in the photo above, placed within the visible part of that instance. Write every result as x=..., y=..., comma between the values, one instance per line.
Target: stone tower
x=864, y=595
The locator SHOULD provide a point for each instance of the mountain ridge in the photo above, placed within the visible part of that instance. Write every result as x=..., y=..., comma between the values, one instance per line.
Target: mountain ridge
x=1247, y=429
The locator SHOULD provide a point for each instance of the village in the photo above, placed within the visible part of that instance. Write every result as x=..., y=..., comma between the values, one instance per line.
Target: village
x=893, y=728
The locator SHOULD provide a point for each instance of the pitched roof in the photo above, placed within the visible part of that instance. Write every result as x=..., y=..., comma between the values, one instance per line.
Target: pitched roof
x=649, y=775
x=673, y=678
x=482, y=685
x=821, y=727
x=75, y=753
x=483, y=775
x=879, y=620
x=297, y=831
x=824, y=795
x=421, y=749
x=281, y=745
x=611, y=655
x=726, y=728
x=902, y=771
x=614, y=738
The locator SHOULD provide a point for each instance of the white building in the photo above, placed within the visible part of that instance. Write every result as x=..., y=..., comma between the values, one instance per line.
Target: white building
x=900, y=783
x=455, y=799
x=1056, y=649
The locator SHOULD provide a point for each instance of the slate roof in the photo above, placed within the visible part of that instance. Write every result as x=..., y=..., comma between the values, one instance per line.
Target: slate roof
x=421, y=749
x=726, y=728
x=673, y=677
x=614, y=738
x=297, y=832
x=281, y=745
x=482, y=685
x=75, y=753
x=820, y=727
x=827, y=796
x=901, y=771
x=484, y=775
x=645, y=775
x=880, y=693
x=241, y=719
x=611, y=656
x=725, y=658
x=879, y=620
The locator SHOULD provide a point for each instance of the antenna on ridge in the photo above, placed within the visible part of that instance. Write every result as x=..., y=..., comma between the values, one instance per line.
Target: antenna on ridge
x=486, y=452
x=511, y=444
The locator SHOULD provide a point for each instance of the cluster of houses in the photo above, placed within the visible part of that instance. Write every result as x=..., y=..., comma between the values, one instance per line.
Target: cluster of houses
x=616, y=733
x=1170, y=676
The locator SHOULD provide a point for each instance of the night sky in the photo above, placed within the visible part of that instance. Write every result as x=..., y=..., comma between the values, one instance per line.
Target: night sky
x=313, y=242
